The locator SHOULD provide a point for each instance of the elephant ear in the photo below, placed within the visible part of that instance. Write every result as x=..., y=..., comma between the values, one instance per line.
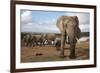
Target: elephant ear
x=77, y=21
x=59, y=24
x=78, y=30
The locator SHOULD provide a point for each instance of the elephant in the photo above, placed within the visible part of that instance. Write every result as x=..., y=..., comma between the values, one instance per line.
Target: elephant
x=39, y=39
x=44, y=39
x=26, y=39
x=32, y=40
x=57, y=43
x=50, y=38
x=69, y=28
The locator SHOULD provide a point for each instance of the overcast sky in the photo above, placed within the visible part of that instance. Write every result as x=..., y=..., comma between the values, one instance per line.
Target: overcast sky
x=45, y=21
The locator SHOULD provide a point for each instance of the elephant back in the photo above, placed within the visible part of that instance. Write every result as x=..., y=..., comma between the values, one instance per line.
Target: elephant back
x=51, y=36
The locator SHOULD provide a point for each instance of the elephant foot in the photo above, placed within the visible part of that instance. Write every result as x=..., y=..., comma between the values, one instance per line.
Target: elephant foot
x=61, y=56
x=58, y=49
x=72, y=56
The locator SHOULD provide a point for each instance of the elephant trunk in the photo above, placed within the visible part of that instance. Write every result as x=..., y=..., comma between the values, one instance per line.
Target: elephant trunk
x=72, y=41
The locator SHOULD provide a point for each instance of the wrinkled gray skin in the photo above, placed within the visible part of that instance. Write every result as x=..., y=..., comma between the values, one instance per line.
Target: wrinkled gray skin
x=69, y=28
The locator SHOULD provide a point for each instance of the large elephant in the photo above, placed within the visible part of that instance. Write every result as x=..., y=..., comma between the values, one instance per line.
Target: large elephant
x=69, y=28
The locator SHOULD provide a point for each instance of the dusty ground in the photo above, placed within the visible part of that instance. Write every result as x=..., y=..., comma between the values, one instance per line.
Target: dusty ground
x=49, y=53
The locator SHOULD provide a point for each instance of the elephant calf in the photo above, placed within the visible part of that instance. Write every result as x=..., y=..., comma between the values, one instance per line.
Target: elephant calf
x=69, y=27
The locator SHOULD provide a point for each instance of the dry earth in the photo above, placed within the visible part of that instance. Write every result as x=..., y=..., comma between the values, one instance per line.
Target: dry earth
x=49, y=53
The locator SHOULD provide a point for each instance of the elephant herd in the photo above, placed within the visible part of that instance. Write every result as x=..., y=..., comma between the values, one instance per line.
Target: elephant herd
x=32, y=40
x=69, y=29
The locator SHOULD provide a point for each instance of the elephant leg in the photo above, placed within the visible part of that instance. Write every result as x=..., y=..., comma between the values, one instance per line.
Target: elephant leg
x=27, y=44
x=63, y=38
x=72, y=51
x=72, y=48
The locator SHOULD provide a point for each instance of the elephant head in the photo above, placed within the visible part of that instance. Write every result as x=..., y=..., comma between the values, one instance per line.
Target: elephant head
x=69, y=28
